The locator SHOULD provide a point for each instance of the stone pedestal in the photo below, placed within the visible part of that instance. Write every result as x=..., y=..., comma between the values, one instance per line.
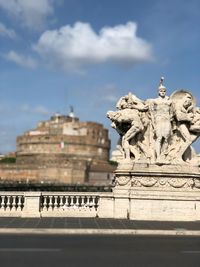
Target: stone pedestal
x=157, y=193
x=106, y=206
x=32, y=205
x=121, y=203
x=158, y=175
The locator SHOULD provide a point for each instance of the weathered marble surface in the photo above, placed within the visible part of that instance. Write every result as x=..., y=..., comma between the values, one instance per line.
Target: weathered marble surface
x=158, y=176
x=157, y=131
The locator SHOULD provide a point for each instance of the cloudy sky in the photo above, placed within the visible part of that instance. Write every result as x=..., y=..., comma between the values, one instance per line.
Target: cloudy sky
x=88, y=53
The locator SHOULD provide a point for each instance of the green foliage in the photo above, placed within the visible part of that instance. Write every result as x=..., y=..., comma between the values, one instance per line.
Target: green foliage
x=113, y=163
x=8, y=160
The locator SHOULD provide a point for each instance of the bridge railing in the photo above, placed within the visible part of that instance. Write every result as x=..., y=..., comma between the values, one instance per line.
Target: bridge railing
x=55, y=204
x=72, y=204
x=11, y=203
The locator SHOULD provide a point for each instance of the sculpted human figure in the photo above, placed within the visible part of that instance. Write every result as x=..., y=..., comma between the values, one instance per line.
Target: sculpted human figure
x=161, y=116
x=184, y=113
x=127, y=121
x=157, y=131
x=195, y=124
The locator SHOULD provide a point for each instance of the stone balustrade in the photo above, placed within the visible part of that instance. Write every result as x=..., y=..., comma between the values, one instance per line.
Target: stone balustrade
x=72, y=204
x=11, y=203
x=53, y=204
x=131, y=198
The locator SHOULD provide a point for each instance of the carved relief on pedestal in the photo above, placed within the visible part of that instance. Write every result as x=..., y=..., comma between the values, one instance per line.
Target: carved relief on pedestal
x=157, y=131
x=148, y=181
x=196, y=183
x=122, y=180
x=179, y=182
x=159, y=182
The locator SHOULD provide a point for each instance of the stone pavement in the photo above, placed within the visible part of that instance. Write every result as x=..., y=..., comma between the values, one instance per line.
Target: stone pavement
x=96, y=226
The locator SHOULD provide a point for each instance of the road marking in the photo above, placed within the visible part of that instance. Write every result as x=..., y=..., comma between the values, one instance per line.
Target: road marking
x=191, y=251
x=92, y=231
x=30, y=250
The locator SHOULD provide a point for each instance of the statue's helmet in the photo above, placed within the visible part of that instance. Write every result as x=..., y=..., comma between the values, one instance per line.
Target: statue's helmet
x=161, y=87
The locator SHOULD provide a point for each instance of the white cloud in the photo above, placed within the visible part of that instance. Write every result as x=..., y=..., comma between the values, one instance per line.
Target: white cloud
x=41, y=110
x=19, y=59
x=36, y=110
x=6, y=32
x=109, y=93
x=71, y=47
x=32, y=13
x=110, y=98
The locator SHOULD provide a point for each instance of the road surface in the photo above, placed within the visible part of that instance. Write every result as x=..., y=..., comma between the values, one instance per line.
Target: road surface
x=96, y=251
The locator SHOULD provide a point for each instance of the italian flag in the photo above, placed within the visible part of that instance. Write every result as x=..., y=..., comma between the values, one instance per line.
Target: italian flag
x=62, y=145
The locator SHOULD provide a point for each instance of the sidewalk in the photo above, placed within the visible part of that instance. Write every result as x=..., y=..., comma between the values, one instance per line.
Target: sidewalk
x=96, y=226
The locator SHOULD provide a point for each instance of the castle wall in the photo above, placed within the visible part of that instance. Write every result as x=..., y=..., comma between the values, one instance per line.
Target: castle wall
x=61, y=150
x=95, y=144
x=83, y=146
x=70, y=174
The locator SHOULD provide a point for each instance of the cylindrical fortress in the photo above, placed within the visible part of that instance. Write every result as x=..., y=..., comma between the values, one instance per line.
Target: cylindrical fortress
x=63, y=138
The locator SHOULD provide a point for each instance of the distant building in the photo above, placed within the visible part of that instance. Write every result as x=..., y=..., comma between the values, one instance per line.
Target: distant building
x=62, y=150
x=2, y=156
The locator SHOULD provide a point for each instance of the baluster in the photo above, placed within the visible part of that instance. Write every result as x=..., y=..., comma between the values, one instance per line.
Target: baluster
x=14, y=203
x=87, y=204
x=8, y=201
x=17, y=202
x=11, y=202
x=82, y=201
x=62, y=201
x=76, y=204
x=20, y=202
x=4, y=202
x=92, y=201
x=85, y=201
x=45, y=203
x=56, y=202
x=59, y=201
x=72, y=201
x=51, y=202
x=68, y=202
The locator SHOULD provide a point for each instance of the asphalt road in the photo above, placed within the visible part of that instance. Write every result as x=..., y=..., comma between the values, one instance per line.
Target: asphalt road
x=96, y=251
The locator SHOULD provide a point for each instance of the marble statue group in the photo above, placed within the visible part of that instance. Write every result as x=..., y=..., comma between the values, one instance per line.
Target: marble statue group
x=157, y=131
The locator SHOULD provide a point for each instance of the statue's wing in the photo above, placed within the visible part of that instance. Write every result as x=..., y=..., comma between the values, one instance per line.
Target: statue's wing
x=180, y=94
